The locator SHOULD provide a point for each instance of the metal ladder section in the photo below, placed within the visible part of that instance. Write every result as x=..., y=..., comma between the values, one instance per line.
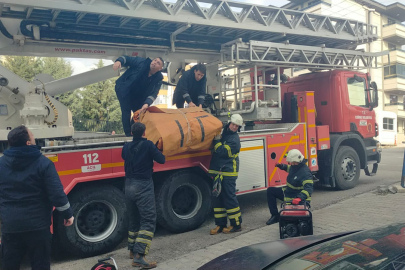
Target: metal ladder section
x=244, y=58
x=299, y=56
x=185, y=22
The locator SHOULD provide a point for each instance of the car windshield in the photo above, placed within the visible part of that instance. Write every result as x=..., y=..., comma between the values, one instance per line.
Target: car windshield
x=382, y=249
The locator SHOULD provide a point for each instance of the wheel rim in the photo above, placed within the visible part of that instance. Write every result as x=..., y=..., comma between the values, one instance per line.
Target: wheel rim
x=349, y=169
x=96, y=220
x=186, y=201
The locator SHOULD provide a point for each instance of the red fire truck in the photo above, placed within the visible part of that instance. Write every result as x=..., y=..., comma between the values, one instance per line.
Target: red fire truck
x=326, y=115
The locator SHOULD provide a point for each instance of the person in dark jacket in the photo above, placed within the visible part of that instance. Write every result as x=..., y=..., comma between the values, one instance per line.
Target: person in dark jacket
x=299, y=185
x=138, y=87
x=191, y=87
x=224, y=168
x=139, y=194
x=29, y=189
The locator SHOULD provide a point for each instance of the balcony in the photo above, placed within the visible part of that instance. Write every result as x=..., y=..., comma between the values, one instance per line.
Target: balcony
x=396, y=56
x=394, y=33
x=398, y=108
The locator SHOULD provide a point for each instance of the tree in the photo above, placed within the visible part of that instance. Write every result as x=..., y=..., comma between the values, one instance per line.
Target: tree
x=98, y=97
x=24, y=66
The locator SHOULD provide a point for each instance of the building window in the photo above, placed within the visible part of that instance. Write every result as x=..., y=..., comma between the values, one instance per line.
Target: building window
x=388, y=123
x=391, y=21
x=357, y=95
x=392, y=47
x=393, y=99
x=394, y=71
x=161, y=99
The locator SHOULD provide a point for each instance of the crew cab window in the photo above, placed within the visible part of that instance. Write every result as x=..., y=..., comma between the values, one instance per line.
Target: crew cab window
x=357, y=95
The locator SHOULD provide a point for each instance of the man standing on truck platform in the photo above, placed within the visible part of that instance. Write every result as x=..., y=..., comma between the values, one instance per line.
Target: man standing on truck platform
x=224, y=168
x=138, y=87
x=299, y=184
x=29, y=188
x=191, y=87
x=140, y=195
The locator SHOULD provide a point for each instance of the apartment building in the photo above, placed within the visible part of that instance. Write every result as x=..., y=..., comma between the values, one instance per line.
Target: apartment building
x=391, y=79
x=165, y=97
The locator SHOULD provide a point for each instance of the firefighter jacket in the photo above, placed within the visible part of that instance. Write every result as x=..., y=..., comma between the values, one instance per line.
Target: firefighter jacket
x=29, y=188
x=225, y=157
x=136, y=79
x=299, y=182
x=189, y=89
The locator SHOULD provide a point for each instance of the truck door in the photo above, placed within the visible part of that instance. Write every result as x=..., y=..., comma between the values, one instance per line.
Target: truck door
x=362, y=120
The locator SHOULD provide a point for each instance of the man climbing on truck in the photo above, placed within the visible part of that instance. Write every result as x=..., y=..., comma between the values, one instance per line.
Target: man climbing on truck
x=299, y=184
x=191, y=87
x=138, y=87
x=224, y=168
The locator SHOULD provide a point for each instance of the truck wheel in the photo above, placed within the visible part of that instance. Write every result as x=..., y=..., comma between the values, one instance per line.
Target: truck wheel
x=100, y=222
x=347, y=168
x=183, y=201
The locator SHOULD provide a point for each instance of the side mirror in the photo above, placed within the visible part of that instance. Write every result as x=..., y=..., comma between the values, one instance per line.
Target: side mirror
x=374, y=94
x=357, y=78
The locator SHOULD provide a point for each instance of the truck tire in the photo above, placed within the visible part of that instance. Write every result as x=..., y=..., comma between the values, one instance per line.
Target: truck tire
x=347, y=168
x=100, y=222
x=183, y=201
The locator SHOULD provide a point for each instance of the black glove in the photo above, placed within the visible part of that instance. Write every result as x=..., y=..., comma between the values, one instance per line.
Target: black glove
x=279, y=165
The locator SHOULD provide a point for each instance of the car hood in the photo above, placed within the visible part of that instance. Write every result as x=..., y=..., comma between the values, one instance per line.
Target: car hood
x=261, y=255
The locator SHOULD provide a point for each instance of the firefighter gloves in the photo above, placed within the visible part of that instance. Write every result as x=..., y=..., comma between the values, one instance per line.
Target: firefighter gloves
x=216, y=189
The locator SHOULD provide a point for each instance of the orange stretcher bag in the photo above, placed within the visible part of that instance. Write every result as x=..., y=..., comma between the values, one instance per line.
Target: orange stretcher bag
x=176, y=131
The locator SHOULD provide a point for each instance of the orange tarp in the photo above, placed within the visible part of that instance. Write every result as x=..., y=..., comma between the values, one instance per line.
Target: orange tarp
x=176, y=131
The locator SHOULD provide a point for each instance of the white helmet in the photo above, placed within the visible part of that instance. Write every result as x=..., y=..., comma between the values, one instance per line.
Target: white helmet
x=295, y=155
x=237, y=119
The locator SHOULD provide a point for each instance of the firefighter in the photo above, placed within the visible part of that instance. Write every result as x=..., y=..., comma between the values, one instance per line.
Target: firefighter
x=299, y=184
x=224, y=168
x=138, y=87
x=191, y=87
x=139, y=194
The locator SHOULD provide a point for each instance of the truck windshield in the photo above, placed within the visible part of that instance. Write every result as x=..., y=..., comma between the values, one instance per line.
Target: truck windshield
x=357, y=94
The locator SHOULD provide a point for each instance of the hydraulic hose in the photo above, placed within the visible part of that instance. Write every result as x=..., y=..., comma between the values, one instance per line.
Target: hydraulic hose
x=4, y=31
x=55, y=111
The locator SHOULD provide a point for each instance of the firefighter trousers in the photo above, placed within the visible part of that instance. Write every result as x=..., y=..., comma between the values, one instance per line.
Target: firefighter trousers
x=226, y=205
x=273, y=194
x=141, y=209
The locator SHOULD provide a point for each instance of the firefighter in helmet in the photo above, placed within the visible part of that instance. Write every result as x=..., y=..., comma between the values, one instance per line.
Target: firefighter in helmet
x=299, y=184
x=224, y=168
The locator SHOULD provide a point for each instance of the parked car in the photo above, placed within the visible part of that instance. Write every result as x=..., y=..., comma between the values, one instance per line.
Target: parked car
x=378, y=249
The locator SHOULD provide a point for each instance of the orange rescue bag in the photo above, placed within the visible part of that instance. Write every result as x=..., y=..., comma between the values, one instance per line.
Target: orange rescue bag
x=176, y=131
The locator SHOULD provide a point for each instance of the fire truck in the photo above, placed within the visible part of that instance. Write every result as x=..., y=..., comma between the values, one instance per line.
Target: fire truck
x=327, y=114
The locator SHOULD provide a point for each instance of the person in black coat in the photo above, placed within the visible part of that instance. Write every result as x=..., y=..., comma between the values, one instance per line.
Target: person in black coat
x=29, y=189
x=191, y=87
x=138, y=87
x=139, y=156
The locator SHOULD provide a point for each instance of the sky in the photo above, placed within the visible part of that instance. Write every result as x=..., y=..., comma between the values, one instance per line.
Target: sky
x=81, y=65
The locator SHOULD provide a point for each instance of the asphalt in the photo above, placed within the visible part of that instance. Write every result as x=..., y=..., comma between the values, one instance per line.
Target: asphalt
x=167, y=245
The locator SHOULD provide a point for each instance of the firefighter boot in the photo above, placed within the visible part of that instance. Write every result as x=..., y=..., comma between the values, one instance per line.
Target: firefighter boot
x=274, y=219
x=217, y=230
x=140, y=261
x=131, y=254
x=232, y=229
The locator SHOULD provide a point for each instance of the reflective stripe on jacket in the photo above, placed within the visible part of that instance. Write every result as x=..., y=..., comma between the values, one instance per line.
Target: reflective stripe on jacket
x=225, y=157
